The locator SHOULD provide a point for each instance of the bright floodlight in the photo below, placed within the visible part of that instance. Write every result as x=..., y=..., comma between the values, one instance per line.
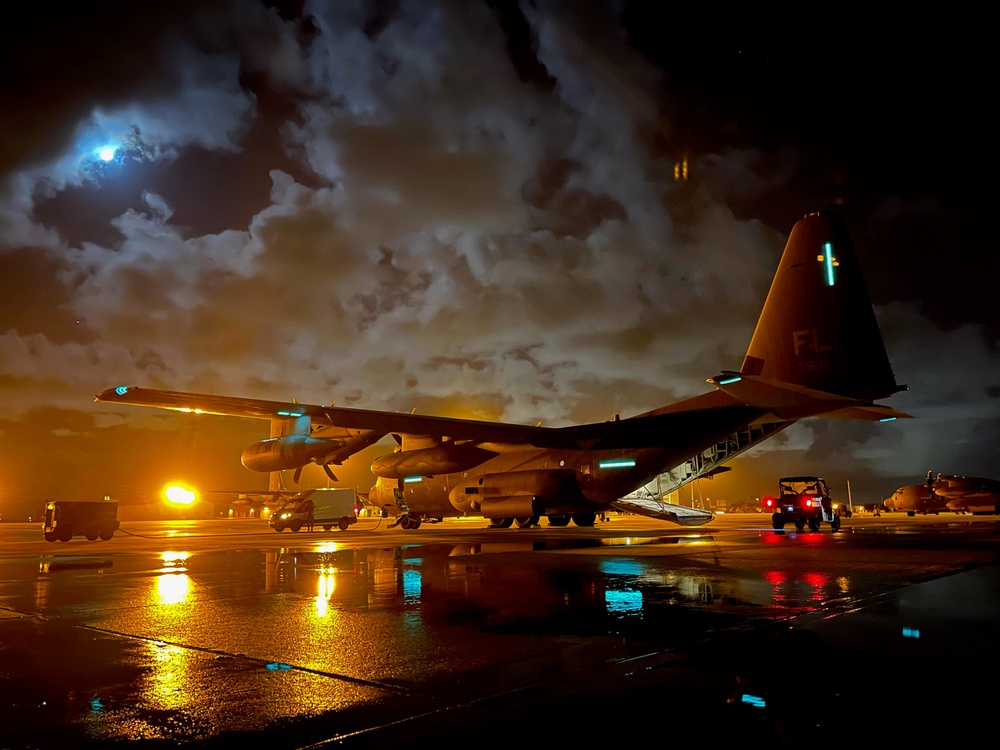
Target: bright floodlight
x=107, y=153
x=179, y=494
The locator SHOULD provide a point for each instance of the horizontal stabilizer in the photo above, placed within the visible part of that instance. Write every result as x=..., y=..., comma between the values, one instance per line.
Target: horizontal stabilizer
x=869, y=413
x=791, y=401
x=647, y=506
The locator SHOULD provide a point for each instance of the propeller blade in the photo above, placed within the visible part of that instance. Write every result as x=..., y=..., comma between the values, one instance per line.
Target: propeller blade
x=329, y=473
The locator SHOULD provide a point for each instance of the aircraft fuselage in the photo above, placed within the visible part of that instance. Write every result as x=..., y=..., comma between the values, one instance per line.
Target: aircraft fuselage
x=524, y=482
x=944, y=495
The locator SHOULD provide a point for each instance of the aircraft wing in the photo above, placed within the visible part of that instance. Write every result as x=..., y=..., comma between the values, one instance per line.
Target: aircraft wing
x=383, y=422
x=680, y=427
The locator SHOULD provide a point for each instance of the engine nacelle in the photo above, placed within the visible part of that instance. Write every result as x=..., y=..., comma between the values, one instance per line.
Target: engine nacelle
x=288, y=452
x=444, y=458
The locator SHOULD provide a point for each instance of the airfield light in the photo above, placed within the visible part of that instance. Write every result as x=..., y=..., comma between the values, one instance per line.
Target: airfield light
x=178, y=494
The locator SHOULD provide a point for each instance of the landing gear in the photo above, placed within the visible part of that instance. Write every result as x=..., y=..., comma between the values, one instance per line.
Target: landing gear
x=526, y=522
x=501, y=523
x=410, y=524
x=584, y=519
x=558, y=520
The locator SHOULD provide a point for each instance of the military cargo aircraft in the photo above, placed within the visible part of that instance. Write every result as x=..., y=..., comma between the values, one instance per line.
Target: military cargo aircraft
x=948, y=492
x=816, y=352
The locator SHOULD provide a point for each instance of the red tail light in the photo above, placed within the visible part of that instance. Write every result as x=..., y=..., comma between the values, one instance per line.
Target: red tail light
x=768, y=502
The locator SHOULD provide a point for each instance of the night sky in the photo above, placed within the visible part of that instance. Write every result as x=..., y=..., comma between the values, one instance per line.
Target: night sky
x=470, y=208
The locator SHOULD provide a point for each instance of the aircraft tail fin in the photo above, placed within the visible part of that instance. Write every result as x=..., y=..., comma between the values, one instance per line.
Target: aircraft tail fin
x=817, y=329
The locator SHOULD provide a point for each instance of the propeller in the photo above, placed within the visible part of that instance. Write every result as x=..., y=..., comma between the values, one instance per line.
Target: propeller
x=326, y=467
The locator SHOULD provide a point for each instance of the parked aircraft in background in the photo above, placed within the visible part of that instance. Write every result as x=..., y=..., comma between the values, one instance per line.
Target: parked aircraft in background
x=948, y=492
x=816, y=351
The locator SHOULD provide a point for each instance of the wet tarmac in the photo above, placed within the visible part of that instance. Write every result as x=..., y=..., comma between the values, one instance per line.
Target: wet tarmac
x=218, y=633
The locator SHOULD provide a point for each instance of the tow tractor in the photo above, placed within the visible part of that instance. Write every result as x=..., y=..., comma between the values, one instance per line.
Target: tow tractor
x=804, y=501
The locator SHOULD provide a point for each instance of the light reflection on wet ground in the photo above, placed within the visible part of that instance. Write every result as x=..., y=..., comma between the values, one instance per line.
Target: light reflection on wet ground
x=332, y=639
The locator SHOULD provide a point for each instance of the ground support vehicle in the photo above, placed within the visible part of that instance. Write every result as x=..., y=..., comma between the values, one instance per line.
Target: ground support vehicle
x=330, y=507
x=92, y=519
x=803, y=501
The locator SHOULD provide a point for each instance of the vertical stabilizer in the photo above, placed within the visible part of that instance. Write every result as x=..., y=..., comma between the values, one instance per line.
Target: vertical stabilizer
x=817, y=328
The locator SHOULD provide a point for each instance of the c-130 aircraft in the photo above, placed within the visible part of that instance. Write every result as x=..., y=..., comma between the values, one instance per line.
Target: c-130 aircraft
x=816, y=352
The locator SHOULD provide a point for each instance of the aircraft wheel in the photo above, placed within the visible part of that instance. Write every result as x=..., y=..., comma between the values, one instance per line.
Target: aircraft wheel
x=50, y=536
x=342, y=525
x=558, y=520
x=777, y=522
x=410, y=524
x=106, y=534
x=526, y=521
x=65, y=535
x=501, y=523
x=91, y=536
x=584, y=519
x=296, y=525
x=327, y=527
